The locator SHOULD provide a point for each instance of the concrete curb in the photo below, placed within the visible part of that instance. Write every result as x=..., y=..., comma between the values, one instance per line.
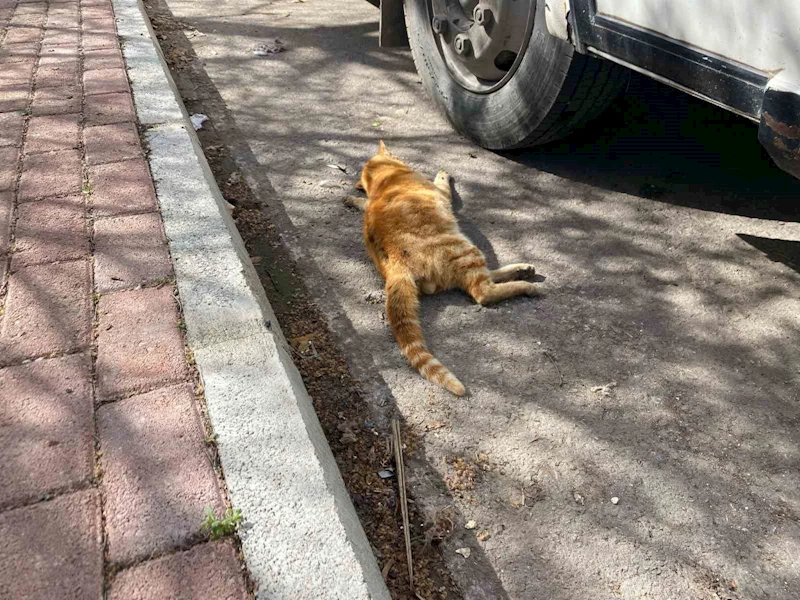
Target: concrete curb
x=303, y=538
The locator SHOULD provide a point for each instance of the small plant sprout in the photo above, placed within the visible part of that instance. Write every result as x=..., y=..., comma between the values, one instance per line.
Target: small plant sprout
x=220, y=527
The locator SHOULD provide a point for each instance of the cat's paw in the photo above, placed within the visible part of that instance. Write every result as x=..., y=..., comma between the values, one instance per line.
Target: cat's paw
x=443, y=177
x=354, y=202
x=526, y=272
x=533, y=291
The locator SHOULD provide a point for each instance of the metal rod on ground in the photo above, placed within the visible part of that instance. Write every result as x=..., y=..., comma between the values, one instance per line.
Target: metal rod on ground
x=401, y=482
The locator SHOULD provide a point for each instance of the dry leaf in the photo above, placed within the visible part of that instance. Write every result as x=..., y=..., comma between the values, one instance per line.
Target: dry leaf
x=267, y=48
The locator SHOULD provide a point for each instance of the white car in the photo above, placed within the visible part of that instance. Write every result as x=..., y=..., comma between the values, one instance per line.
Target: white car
x=516, y=73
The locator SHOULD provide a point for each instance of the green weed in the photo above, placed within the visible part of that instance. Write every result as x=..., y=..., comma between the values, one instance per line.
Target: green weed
x=217, y=527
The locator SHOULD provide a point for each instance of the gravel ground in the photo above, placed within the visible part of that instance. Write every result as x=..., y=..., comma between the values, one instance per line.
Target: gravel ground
x=633, y=434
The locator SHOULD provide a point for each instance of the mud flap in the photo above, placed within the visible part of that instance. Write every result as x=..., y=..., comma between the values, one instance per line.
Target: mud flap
x=393, y=25
x=779, y=129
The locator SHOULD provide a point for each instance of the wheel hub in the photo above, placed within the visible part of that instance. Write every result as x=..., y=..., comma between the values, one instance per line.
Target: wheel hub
x=481, y=41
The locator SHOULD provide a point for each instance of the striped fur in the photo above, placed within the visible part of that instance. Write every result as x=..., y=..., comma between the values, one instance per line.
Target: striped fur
x=413, y=238
x=402, y=310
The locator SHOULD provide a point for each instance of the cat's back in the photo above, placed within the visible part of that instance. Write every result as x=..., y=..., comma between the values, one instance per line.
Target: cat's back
x=409, y=203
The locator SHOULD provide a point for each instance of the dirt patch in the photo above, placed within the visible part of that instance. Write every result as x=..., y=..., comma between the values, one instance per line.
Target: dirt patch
x=360, y=446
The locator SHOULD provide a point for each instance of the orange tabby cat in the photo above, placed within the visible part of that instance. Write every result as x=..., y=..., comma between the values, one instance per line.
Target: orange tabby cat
x=412, y=237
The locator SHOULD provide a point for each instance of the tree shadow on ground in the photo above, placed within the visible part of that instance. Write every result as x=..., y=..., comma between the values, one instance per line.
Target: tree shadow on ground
x=634, y=221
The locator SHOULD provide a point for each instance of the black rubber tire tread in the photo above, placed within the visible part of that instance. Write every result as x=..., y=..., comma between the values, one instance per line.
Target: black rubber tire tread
x=593, y=94
x=554, y=91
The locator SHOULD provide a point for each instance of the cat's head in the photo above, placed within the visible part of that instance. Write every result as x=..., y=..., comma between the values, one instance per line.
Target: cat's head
x=382, y=163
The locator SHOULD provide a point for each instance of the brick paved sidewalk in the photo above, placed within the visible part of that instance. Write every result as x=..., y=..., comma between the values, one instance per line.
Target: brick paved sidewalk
x=105, y=473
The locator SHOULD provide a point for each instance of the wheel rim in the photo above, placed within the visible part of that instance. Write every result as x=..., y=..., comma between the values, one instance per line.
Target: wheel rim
x=482, y=41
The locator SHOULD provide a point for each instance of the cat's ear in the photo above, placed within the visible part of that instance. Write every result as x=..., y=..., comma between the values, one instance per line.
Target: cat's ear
x=381, y=147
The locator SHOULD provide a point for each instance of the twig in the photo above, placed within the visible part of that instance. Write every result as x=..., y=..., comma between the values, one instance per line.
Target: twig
x=401, y=482
x=552, y=360
x=271, y=280
x=387, y=567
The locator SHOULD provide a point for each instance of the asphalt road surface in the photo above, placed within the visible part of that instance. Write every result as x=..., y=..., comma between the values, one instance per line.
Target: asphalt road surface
x=661, y=369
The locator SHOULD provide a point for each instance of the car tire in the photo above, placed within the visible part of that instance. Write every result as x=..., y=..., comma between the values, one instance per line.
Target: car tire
x=553, y=91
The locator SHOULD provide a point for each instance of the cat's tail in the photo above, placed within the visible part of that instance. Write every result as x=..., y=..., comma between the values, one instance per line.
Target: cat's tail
x=402, y=310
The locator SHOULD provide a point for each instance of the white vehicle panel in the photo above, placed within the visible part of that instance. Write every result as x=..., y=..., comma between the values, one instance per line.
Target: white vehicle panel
x=762, y=34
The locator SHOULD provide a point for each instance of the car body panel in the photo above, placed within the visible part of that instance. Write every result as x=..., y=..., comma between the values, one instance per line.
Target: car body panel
x=762, y=35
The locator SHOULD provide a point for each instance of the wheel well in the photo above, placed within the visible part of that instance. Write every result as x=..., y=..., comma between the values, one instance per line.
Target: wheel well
x=392, y=24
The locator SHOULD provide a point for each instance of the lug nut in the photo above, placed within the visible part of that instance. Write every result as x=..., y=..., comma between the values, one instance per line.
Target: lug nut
x=439, y=25
x=463, y=44
x=482, y=15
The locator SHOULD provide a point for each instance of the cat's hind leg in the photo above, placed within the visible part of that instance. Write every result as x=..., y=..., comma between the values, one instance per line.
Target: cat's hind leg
x=485, y=291
x=512, y=272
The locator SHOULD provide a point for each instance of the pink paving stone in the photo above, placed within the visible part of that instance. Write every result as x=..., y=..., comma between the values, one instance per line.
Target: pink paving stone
x=103, y=58
x=130, y=251
x=139, y=345
x=104, y=81
x=14, y=97
x=60, y=8
x=49, y=230
x=61, y=36
x=65, y=20
x=11, y=53
x=27, y=19
x=109, y=108
x=104, y=24
x=8, y=167
x=210, y=571
x=31, y=7
x=122, y=188
x=111, y=143
x=63, y=15
x=156, y=473
x=22, y=33
x=50, y=174
x=46, y=427
x=52, y=132
x=11, y=129
x=93, y=41
x=48, y=311
x=63, y=73
x=97, y=10
x=57, y=100
x=6, y=206
x=55, y=55
x=17, y=73
x=53, y=550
